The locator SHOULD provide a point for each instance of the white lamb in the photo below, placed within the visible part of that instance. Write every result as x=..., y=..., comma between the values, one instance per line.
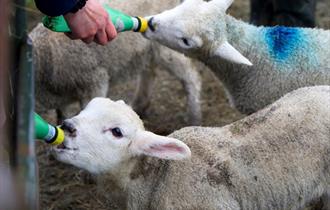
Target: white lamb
x=277, y=158
x=68, y=71
x=283, y=58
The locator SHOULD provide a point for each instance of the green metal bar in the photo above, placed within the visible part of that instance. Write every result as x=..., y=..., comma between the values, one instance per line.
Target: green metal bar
x=26, y=159
x=23, y=158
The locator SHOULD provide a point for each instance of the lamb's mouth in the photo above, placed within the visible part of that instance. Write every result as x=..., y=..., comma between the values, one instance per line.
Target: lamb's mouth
x=151, y=24
x=64, y=148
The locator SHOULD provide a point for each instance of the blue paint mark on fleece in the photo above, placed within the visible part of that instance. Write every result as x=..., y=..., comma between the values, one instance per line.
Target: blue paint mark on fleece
x=283, y=41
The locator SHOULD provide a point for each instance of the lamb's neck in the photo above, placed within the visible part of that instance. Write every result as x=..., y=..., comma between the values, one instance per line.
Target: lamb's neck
x=134, y=183
x=241, y=35
x=145, y=179
x=136, y=171
x=120, y=175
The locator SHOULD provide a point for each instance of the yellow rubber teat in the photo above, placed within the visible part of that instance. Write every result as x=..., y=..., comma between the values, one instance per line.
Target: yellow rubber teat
x=59, y=138
x=144, y=25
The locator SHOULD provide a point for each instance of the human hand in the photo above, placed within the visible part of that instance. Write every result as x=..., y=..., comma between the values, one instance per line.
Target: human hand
x=91, y=23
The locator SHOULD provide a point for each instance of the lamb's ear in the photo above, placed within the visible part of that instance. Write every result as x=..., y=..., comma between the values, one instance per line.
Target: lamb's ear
x=150, y=144
x=224, y=4
x=228, y=52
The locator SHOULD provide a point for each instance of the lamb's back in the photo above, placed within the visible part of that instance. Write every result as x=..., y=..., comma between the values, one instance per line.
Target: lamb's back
x=269, y=160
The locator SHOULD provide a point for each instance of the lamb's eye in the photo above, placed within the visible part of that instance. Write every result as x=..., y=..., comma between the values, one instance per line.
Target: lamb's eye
x=117, y=132
x=185, y=41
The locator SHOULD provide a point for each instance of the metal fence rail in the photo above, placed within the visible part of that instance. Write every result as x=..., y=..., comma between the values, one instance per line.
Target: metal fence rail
x=22, y=144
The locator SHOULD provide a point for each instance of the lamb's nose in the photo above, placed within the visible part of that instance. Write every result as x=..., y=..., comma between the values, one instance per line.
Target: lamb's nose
x=151, y=24
x=68, y=126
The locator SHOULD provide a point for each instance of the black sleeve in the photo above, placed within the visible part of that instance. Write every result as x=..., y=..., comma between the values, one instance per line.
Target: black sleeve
x=55, y=7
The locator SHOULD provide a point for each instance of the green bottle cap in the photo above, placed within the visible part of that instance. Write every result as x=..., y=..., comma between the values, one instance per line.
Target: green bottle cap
x=48, y=133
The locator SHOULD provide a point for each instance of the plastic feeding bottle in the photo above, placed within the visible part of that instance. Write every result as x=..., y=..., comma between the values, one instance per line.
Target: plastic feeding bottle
x=121, y=21
x=44, y=131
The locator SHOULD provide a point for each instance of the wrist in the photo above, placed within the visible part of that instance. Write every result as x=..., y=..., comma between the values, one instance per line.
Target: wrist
x=79, y=5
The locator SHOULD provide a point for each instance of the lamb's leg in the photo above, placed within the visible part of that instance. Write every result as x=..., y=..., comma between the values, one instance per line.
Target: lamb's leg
x=67, y=111
x=192, y=85
x=146, y=80
x=100, y=87
x=186, y=71
x=60, y=116
x=326, y=200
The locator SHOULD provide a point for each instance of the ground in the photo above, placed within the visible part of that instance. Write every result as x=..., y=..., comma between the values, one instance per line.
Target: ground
x=66, y=187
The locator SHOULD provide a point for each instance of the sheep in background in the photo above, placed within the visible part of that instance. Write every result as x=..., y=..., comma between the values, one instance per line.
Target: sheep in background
x=283, y=58
x=277, y=158
x=68, y=71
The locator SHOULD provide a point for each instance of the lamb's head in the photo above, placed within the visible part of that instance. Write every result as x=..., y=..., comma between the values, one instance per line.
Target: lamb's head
x=196, y=28
x=109, y=133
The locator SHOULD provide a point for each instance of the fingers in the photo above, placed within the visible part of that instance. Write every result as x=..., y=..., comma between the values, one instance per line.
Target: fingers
x=86, y=40
x=101, y=37
x=106, y=35
x=91, y=23
x=111, y=31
